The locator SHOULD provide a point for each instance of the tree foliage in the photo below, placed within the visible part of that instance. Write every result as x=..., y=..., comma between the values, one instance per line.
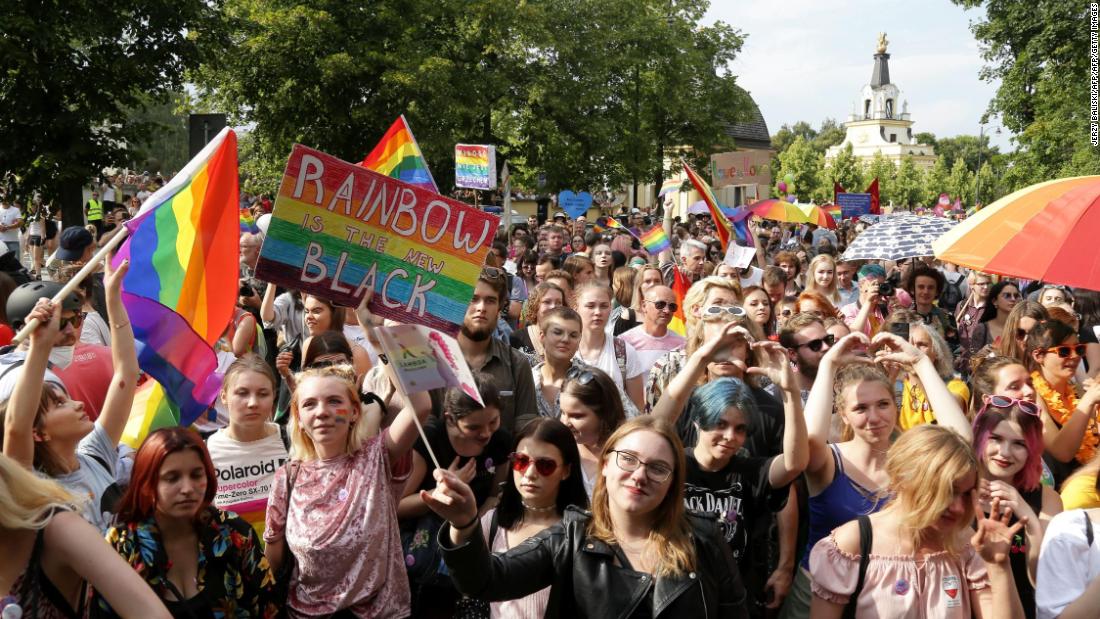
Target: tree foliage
x=587, y=93
x=846, y=170
x=75, y=75
x=1038, y=51
x=805, y=164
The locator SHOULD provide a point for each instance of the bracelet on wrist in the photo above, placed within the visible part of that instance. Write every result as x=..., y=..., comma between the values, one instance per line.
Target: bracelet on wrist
x=121, y=326
x=469, y=524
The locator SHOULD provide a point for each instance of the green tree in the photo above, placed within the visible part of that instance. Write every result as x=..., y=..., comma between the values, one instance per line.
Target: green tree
x=885, y=171
x=73, y=74
x=960, y=183
x=830, y=134
x=936, y=181
x=986, y=185
x=787, y=133
x=908, y=186
x=967, y=148
x=800, y=160
x=846, y=170
x=1037, y=52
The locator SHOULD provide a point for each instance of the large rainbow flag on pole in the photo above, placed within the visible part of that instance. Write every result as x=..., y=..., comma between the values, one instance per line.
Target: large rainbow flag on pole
x=721, y=223
x=182, y=285
x=397, y=155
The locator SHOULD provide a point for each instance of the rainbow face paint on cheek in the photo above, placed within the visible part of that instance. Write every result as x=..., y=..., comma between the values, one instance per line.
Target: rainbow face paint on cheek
x=341, y=415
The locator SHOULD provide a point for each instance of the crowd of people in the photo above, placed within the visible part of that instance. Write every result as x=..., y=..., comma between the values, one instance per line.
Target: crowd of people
x=804, y=436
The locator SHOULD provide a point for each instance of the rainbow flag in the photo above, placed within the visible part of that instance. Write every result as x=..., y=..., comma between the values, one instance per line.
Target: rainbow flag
x=722, y=225
x=655, y=241
x=680, y=287
x=670, y=185
x=248, y=222
x=397, y=155
x=182, y=285
x=152, y=410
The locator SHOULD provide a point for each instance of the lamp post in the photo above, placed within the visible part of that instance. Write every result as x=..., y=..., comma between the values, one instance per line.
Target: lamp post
x=978, y=174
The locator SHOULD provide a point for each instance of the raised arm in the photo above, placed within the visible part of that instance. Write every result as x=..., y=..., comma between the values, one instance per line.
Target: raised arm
x=267, y=306
x=676, y=393
x=23, y=404
x=819, y=405
x=944, y=403
x=120, y=394
x=790, y=464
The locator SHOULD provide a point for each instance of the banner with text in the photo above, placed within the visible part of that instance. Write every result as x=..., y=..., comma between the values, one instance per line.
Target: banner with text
x=339, y=229
x=853, y=205
x=476, y=166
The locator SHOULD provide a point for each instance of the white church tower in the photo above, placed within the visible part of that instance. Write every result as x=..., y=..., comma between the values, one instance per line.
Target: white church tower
x=880, y=120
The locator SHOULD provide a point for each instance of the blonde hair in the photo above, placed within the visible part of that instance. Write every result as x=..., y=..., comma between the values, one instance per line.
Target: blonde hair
x=698, y=292
x=855, y=374
x=28, y=501
x=829, y=293
x=671, y=537
x=923, y=466
x=696, y=337
x=301, y=443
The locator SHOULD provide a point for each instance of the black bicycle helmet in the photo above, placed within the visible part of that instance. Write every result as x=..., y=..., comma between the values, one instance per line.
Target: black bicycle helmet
x=23, y=299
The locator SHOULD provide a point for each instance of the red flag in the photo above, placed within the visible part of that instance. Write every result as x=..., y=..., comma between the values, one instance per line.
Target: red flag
x=872, y=189
x=722, y=225
x=680, y=286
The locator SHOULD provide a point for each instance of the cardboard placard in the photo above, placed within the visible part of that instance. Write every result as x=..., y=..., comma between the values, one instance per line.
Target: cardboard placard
x=339, y=229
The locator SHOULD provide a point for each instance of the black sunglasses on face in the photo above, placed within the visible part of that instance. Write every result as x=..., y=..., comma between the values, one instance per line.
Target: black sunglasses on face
x=661, y=305
x=816, y=345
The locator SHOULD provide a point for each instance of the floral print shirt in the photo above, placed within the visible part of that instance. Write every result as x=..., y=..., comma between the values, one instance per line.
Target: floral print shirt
x=234, y=577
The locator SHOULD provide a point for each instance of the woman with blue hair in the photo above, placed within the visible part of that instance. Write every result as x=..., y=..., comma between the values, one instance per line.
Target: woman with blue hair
x=725, y=481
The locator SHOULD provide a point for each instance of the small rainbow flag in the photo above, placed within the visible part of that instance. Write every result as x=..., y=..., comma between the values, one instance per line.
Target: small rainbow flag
x=248, y=222
x=722, y=225
x=397, y=155
x=182, y=285
x=680, y=287
x=152, y=410
x=655, y=241
x=670, y=185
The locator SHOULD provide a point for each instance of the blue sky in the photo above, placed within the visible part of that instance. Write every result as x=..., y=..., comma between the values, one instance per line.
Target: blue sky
x=808, y=59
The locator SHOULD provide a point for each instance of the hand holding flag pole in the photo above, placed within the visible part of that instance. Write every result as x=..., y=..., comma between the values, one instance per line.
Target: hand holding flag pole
x=104, y=253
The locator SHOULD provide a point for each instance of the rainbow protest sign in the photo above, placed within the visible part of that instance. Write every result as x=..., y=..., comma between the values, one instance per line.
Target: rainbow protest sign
x=339, y=229
x=475, y=166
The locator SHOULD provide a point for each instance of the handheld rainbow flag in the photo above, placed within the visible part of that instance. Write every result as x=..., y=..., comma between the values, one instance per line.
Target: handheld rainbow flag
x=152, y=410
x=397, y=155
x=655, y=241
x=182, y=285
x=722, y=225
x=670, y=185
x=680, y=287
x=248, y=222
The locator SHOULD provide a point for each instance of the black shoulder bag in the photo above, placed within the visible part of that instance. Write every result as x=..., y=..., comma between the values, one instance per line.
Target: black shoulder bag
x=865, y=539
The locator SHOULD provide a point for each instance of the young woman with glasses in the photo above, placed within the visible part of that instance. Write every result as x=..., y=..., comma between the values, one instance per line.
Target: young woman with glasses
x=637, y=553
x=848, y=478
x=1069, y=425
x=1008, y=440
x=545, y=480
x=970, y=310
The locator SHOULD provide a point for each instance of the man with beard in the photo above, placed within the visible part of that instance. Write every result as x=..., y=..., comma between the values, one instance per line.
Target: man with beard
x=509, y=368
x=806, y=342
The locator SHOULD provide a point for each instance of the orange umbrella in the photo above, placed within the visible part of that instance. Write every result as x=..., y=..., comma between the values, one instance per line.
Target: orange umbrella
x=1044, y=232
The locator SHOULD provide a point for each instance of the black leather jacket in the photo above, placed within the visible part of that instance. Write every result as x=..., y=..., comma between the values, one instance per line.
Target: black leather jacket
x=585, y=580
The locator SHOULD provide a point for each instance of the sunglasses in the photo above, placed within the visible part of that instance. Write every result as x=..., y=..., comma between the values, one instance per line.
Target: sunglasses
x=492, y=273
x=661, y=305
x=1010, y=296
x=544, y=466
x=816, y=345
x=718, y=310
x=1003, y=401
x=1021, y=334
x=75, y=320
x=580, y=375
x=1065, y=352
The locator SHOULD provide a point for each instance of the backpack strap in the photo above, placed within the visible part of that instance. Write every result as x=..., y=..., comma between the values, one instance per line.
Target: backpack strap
x=620, y=356
x=866, y=537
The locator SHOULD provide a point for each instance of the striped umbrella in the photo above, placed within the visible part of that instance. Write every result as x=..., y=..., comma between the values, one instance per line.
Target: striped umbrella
x=781, y=210
x=1044, y=232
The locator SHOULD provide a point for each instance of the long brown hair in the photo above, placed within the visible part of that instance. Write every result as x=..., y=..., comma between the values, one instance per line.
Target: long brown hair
x=671, y=534
x=1009, y=346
